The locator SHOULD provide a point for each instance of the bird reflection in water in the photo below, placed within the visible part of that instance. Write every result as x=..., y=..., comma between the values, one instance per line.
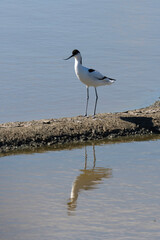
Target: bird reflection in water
x=87, y=180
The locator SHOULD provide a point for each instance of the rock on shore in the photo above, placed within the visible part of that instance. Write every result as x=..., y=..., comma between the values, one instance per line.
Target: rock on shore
x=31, y=134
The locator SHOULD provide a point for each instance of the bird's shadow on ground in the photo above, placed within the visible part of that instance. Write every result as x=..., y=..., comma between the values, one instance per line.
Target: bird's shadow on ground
x=141, y=122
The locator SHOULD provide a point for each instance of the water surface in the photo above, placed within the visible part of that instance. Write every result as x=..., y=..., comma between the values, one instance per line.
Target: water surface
x=106, y=191
x=118, y=38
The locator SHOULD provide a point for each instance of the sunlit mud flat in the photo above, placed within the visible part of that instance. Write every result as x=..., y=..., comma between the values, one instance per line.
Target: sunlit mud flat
x=55, y=132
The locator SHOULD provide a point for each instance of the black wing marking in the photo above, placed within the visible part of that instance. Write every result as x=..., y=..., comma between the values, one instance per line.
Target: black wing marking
x=99, y=76
x=106, y=77
x=111, y=79
x=91, y=70
x=102, y=78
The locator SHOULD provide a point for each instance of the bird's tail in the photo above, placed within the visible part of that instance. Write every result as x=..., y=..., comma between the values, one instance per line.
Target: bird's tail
x=112, y=80
x=109, y=81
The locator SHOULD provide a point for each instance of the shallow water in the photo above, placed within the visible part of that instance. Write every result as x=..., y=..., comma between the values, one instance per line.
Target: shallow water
x=106, y=191
x=118, y=38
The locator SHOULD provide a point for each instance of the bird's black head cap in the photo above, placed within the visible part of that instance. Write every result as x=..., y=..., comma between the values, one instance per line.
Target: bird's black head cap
x=75, y=52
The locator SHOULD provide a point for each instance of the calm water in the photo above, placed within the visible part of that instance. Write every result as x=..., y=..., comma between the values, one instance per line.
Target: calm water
x=105, y=191
x=118, y=38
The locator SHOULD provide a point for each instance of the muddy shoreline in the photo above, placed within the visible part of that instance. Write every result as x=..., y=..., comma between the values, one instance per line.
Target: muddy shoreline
x=50, y=132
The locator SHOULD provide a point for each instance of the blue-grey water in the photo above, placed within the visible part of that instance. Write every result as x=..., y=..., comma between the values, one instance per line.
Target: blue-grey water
x=104, y=191
x=118, y=38
x=107, y=191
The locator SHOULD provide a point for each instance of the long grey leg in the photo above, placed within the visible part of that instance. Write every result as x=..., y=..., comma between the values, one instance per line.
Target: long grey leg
x=87, y=100
x=95, y=101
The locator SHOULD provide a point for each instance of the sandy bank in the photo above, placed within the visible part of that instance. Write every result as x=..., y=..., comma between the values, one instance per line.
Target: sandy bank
x=31, y=134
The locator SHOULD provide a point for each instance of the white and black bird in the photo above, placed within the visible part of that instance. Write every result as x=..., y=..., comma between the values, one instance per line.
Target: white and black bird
x=89, y=76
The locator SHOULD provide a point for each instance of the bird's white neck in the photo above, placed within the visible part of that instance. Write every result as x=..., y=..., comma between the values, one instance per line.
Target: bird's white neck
x=78, y=59
x=78, y=63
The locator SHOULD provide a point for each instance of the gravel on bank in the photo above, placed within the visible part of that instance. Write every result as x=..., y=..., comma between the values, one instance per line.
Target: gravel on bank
x=48, y=132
